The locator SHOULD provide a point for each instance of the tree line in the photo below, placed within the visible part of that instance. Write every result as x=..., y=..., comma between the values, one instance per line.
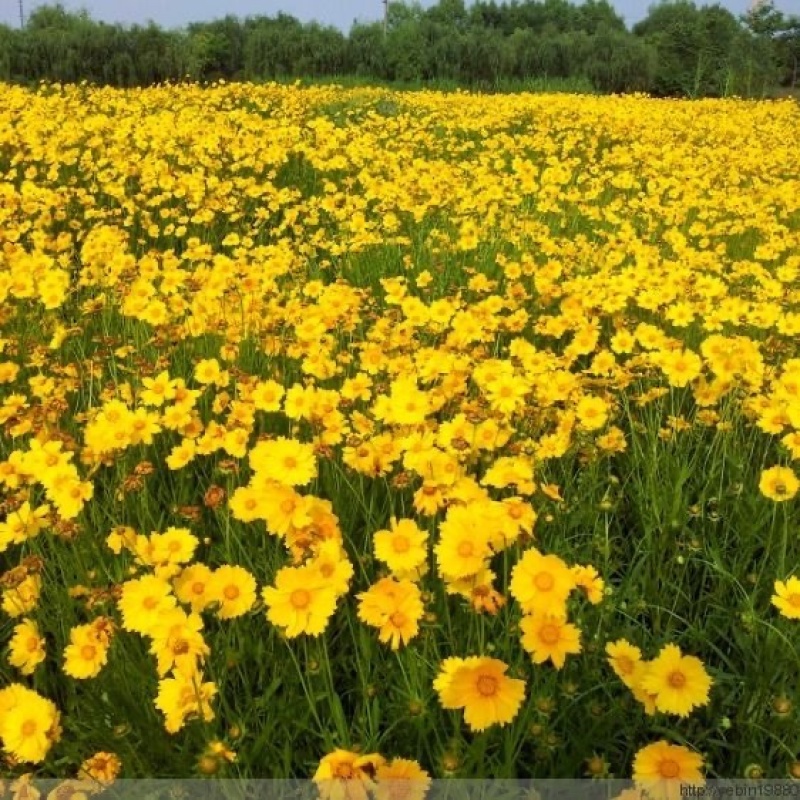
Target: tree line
x=679, y=49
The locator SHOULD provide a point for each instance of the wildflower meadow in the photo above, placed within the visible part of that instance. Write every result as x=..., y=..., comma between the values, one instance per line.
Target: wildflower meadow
x=375, y=435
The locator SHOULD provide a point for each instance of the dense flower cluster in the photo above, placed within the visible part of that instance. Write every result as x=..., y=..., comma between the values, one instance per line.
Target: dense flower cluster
x=376, y=417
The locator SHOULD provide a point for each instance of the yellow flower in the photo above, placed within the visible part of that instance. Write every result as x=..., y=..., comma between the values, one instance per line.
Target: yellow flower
x=394, y=607
x=463, y=546
x=27, y=647
x=29, y=723
x=623, y=658
x=401, y=779
x=234, y=588
x=678, y=683
x=779, y=484
x=403, y=548
x=787, y=597
x=192, y=586
x=22, y=598
x=286, y=461
x=549, y=636
x=142, y=601
x=480, y=686
x=342, y=775
x=101, y=767
x=588, y=579
x=592, y=413
x=661, y=768
x=177, y=642
x=183, y=697
x=541, y=583
x=300, y=602
x=86, y=654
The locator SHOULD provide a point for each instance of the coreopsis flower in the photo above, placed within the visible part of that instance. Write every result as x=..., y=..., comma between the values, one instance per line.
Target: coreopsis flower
x=779, y=484
x=541, y=582
x=29, y=723
x=662, y=768
x=207, y=371
x=678, y=683
x=181, y=454
x=403, y=548
x=143, y=600
x=588, y=579
x=192, y=586
x=102, y=767
x=549, y=637
x=342, y=775
x=23, y=597
x=87, y=652
x=158, y=390
x=234, y=589
x=247, y=504
x=648, y=700
x=331, y=562
x=394, y=607
x=286, y=461
x=787, y=597
x=463, y=547
x=480, y=686
x=177, y=642
x=27, y=647
x=623, y=658
x=183, y=697
x=174, y=546
x=267, y=396
x=72, y=789
x=592, y=413
x=401, y=779
x=300, y=602
x=681, y=367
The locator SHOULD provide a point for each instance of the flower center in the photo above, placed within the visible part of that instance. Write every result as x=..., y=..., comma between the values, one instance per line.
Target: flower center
x=794, y=600
x=676, y=679
x=150, y=603
x=88, y=652
x=287, y=506
x=28, y=727
x=344, y=771
x=669, y=768
x=198, y=587
x=398, y=619
x=401, y=544
x=487, y=686
x=300, y=598
x=549, y=633
x=180, y=647
x=466, y=549
x=231, y=592
x=544, y=581
x=290, y=462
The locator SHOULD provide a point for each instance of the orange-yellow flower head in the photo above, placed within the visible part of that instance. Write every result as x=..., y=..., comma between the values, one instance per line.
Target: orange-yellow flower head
x=480, y=686
x=679, y=683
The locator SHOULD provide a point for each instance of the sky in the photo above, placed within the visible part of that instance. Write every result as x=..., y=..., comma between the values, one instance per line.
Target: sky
x=341, y=13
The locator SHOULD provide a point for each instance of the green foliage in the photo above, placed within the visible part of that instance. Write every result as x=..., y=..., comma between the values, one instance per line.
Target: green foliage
x=678, y=50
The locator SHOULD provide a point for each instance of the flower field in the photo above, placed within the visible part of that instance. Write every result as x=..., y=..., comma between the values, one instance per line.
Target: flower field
x=371, y=435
